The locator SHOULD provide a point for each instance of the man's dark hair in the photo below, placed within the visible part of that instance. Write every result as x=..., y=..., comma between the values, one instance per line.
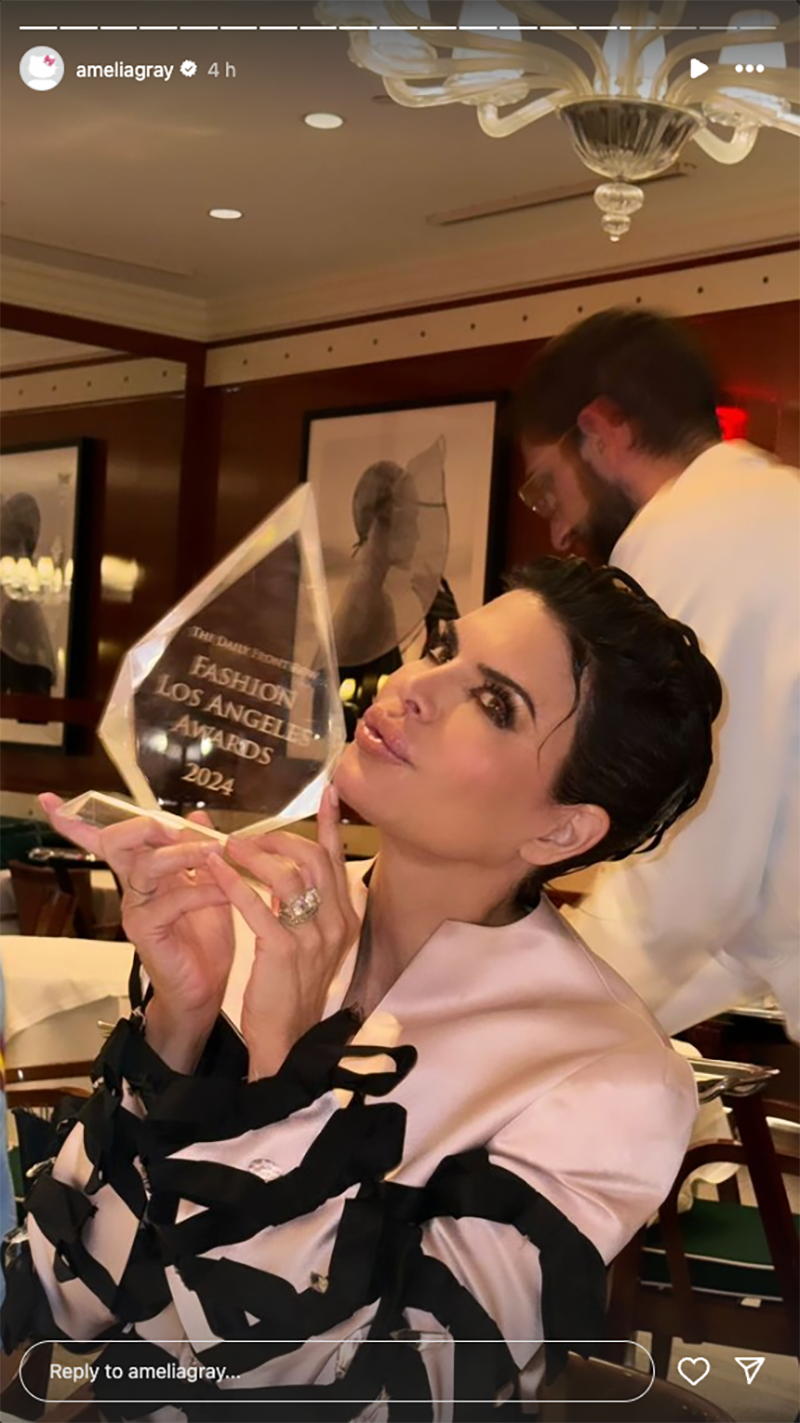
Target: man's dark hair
x=648, y=365
x=645, y=701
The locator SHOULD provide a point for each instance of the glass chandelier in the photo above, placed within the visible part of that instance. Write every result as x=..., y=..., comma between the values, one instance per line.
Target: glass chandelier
x=632, y=93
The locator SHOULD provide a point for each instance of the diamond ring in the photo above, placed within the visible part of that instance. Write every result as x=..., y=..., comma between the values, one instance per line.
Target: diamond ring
x=300, y=910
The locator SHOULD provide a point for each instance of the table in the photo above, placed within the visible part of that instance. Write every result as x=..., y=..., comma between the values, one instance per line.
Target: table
x=56, y=992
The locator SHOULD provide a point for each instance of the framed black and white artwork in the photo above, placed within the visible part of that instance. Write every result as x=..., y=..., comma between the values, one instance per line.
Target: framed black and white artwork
x=43, y=579
x=405, y=501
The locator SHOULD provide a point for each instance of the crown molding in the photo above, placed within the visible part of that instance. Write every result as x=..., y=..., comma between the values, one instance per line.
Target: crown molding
x=381, y=296
x=688, y=291
x=467, y=276
x=726, y=285
x=91, y=384
x=103, y=299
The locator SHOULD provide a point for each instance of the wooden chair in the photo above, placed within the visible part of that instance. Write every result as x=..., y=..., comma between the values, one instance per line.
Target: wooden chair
x=54, y=899
x=614, y=1393
x=34, y=1092
x=687, y=1276
x=45, y=1084
x=17, y=1402
x=50, y=906
x=757, y=1037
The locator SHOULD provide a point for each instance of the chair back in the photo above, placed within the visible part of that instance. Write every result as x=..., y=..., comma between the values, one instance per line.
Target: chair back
x=53, y=900
x=618, y=1394
x=687, y=1278
x=45, y=1084
x=33, y=1096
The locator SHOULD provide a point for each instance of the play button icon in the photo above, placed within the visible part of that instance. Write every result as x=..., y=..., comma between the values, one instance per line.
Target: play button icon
x=697, y=67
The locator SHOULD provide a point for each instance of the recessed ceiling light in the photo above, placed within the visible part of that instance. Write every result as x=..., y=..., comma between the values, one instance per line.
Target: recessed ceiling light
x=323, y=120
x=225, y=214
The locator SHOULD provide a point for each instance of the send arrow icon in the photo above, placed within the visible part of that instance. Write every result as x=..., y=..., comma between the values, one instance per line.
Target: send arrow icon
x=696, y=68
x=751, y=1367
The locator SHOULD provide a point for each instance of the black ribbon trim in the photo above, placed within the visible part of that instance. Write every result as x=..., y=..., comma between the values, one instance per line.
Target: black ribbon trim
x=356, y=1144
x=112, y=1141
x=573, y=1271
x=480, y=1371
x=397, y=1365
x=184, y=1110
x=26, y=1312
x=61, y=1212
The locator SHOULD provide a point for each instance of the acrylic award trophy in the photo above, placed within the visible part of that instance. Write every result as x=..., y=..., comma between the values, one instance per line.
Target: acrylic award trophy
x=230, y=704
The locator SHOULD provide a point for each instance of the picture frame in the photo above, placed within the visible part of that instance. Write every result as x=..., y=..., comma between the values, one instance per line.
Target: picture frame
x=46, y=580
x=446, y=452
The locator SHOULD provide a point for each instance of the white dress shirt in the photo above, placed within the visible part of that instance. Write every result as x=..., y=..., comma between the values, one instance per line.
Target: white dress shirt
x=710, y=919
x=530, y=1053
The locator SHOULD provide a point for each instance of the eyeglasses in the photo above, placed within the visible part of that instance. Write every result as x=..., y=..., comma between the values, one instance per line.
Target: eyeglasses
x=538, y=491
x=539, y=495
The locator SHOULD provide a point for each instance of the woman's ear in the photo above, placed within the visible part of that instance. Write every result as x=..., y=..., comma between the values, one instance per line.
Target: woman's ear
x=577, y=830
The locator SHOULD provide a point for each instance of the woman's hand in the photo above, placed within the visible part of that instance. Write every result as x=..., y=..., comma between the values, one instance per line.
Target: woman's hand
x=177, y=916
x=293, y=968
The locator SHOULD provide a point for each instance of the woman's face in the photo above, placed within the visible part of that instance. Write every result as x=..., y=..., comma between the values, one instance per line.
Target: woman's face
x=459, y=752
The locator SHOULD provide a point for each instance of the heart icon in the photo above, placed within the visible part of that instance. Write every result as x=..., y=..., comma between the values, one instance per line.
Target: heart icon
x=688, y=1368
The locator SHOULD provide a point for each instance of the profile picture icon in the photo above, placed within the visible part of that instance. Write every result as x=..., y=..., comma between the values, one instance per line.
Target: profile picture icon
x=41, y=67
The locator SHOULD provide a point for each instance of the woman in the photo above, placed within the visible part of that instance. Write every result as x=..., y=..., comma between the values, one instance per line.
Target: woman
x=446, y=1116
x=396, y=586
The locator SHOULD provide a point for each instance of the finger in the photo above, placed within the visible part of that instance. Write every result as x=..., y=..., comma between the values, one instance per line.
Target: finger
x=311, y=858
x=139, y=829
x=203, y=822
x=148, y=869
x=336, y=916
x=329, y=832
x=329, y=826
x=321, y=862
x=147, y=920
x=250, y=905
x=50, y=802
x=137, y=833
x=281, y=875
x=201, y=817
x=78, y=831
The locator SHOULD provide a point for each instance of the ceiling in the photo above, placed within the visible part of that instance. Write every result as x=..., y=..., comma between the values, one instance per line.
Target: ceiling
x=106, y=183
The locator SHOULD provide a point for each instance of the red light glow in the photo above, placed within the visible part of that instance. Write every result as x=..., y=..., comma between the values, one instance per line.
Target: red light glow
x=733, y=422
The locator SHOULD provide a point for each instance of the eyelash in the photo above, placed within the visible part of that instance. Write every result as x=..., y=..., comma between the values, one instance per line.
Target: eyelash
x=503, y=714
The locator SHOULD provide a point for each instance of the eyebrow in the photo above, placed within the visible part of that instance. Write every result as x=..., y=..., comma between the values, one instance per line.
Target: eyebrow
x=495, y=676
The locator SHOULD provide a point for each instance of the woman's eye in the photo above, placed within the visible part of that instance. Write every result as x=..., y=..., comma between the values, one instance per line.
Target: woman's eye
x=441, y=651
x=494, y=700
x=497, y=704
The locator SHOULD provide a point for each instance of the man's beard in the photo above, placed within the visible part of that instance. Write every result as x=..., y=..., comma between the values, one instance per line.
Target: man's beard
x=609, y=514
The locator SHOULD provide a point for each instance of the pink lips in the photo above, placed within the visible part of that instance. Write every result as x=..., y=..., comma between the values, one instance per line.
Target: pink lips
x=378, y=736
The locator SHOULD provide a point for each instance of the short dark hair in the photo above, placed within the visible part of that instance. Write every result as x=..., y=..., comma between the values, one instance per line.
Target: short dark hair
x=648, y=365
x=645, y=701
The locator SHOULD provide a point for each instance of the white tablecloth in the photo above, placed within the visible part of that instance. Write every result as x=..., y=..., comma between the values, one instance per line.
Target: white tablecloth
x=56, y=990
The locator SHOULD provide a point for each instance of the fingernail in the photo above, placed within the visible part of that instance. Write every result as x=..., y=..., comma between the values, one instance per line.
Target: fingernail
x=333, y=798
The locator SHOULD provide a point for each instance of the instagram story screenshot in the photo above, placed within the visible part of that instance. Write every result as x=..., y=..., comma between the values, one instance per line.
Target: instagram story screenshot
x=400, y=711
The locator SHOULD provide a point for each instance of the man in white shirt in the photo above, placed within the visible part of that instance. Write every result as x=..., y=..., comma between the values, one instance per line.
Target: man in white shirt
x=618, y=426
